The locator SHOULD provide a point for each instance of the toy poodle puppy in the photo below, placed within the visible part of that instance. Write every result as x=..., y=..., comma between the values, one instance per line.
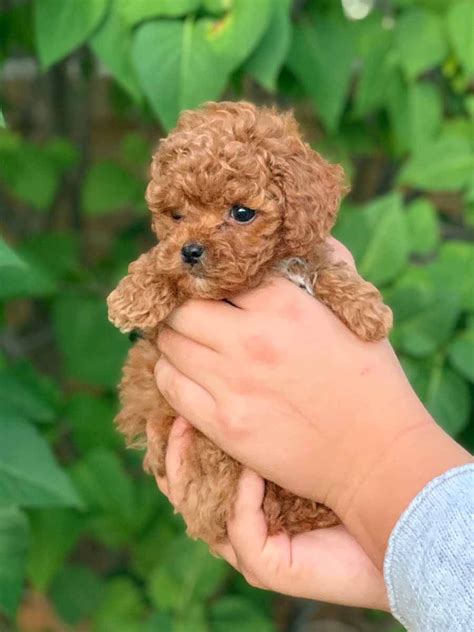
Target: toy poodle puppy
x=236, y=196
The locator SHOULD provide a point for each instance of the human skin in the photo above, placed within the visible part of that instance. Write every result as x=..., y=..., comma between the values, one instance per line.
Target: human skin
x=279, y=383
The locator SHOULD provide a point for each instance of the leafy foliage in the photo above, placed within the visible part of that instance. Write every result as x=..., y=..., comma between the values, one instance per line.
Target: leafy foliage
x=389, y=96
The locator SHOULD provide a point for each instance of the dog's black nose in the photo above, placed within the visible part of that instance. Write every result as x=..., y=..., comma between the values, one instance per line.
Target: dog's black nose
x=191, y=253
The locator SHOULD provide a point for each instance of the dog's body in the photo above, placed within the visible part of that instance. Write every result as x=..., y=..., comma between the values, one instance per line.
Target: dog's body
x=236, y=197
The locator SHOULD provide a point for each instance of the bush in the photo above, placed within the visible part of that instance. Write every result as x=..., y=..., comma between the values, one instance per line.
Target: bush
x=388, y=95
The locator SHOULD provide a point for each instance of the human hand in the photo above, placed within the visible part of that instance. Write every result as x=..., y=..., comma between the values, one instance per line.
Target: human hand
x=325, y=564
x=280, y=384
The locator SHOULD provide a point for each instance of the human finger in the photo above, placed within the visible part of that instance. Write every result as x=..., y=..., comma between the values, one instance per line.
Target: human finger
x=204, y=321
x=198, y=362
x=189, y=399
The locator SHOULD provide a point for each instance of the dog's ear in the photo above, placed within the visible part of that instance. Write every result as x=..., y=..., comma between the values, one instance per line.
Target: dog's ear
x=142, y=299
x=311, y=190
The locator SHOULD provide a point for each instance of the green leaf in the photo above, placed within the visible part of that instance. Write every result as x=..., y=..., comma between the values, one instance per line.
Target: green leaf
x=386, y=251
x=54, y=253
x=8, y=258
x=62, y=153
x=425, y=112
x=165, y=590
x=112, y=44
x=461, y=353
x=2, y=119
x=376, y=72
x=20, y=279
x=193, y=618
x=25, y=282
x=25, y=394
x=141, y=10
x=187, y=574
x=92, y=349
x=122, y=607
x=108, y=187
x=14, y=540
x=108, y=492
x=63, y=26
x=455, y=269
x=265, y=62
x=313, y=51
x=237, y=613
x=216, y=7
x=176, y=67
x=444, y=392
x=460, y=23
x=422, y=226
x=225, y=34
x=442, y=165
x=420, y=41
x=396, y=104
x=425, y=312
x=150, y=548
x=29, y=475
x=91, y=420
x=54, y=533
x=76, y=593
x=30, y=173
x=352, y=229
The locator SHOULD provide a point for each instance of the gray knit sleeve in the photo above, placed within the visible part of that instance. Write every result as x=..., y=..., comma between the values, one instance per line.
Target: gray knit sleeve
x=429, y=564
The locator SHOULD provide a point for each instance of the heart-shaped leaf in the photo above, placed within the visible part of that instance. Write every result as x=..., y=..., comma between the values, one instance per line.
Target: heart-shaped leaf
x=136, y=11
x=176, y=66
x=61, y=27
x=314, y=49
x=225, y=34
x=266, y=60
x=112, y=44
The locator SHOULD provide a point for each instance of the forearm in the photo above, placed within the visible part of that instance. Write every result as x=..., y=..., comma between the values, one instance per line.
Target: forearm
x=419, y=455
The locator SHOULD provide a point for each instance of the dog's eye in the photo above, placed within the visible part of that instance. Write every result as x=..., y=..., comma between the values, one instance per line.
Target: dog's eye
x=242, y=214
x=176, y=216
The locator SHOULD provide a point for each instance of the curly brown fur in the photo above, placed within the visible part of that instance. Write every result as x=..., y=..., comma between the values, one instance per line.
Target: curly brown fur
x=218, y=156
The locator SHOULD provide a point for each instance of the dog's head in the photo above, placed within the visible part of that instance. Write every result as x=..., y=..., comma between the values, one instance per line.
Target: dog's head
x=234, y=189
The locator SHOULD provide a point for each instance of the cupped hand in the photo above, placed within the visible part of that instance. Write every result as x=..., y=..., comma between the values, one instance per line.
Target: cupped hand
x=280, y=384
x=325, y=564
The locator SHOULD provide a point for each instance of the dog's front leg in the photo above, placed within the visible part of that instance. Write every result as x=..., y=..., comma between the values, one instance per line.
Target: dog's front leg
x=143, y=299
x=355, y=301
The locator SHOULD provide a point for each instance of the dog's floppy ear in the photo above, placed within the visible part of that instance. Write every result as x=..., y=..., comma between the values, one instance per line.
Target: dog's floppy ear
x=142, y=299
x=311, y=189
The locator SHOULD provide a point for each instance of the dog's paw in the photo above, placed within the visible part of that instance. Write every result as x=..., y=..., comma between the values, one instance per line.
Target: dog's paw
x=372, y=321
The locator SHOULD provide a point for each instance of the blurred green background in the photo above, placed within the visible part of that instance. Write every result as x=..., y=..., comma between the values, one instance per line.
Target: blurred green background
x=88, y=88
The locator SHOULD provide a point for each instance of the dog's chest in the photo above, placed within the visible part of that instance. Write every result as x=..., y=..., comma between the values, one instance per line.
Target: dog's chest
x=296, y=270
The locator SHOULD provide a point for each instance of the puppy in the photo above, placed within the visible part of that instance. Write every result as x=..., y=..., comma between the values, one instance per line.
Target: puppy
x=236, y=196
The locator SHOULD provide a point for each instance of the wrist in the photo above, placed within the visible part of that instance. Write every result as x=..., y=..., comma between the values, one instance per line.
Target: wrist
x=419, y=454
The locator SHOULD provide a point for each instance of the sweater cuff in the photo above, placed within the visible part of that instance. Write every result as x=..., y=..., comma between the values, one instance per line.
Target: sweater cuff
x=428, y=566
